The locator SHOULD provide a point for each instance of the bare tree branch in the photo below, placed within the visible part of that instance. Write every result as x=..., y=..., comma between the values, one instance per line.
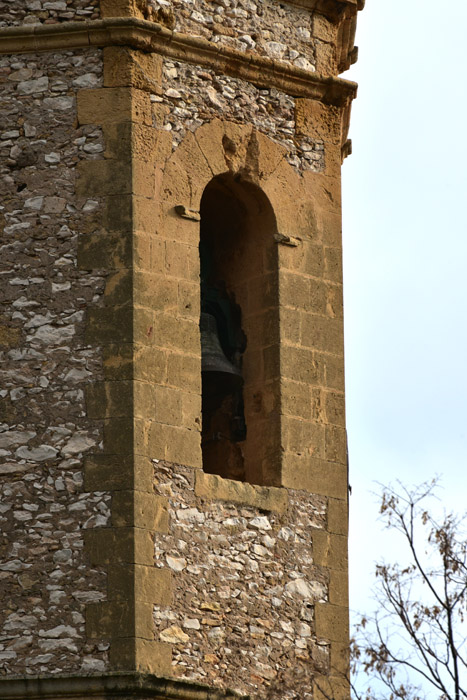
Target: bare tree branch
x=419, y=631
x=415, y=646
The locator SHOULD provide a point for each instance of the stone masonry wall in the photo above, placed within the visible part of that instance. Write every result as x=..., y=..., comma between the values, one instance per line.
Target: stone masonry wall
x=281, y=31
x=193, y=96
x=45, y=581
x=14, y=12
x=245, y=586
x=237, y=595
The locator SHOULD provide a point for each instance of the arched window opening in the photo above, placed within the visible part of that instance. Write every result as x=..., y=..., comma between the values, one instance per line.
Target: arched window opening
x=239, y=333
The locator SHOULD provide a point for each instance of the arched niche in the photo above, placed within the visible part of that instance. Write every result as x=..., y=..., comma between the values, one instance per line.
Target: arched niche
x=239, y=267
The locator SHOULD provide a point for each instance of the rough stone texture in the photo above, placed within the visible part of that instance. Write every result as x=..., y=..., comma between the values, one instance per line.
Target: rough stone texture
x=14, y=12
x=248, y=593
x=280, y=31
x=45, y=581
x=110, y=686
x=194, y=96
x=245, y=585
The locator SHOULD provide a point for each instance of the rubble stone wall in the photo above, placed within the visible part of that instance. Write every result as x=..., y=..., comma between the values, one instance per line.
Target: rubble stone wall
x=45, y=582
x=245, y=586
x=193, y=96
x=282, y=32
x=15, y=12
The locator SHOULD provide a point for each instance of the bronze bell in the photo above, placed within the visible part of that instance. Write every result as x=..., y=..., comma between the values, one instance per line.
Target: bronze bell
x=214, y=363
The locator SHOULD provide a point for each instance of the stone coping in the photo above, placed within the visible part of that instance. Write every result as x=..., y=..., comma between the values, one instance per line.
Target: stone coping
x=155, y=38
x=109, y=685
x=267, y=498
x=331, y=8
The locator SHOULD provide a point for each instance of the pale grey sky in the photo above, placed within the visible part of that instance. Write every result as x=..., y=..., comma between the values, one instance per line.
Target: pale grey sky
x=405, y=251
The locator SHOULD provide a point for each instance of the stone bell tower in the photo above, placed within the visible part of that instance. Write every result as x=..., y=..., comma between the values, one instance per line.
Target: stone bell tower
x=170, y=530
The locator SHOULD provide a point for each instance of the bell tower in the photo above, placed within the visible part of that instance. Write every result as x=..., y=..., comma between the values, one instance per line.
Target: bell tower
x=172, y=436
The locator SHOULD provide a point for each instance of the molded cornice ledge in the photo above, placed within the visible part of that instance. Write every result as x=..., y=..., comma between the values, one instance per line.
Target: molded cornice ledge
x=334, y=9
x=111, y=686
x=155, y=38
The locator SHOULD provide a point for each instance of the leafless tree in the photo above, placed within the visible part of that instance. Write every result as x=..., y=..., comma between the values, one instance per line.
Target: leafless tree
x=414, y=646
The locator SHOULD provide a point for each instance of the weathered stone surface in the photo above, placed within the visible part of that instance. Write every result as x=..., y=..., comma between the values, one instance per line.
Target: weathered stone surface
x=245, y=584
x=213, y=486
x=238, y=586
x=50, y=12
x=196, y=95
x=45, y=580
x=283, y=32
x=174, y=635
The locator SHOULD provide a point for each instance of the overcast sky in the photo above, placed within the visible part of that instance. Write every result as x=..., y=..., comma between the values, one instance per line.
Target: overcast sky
x=405, y=252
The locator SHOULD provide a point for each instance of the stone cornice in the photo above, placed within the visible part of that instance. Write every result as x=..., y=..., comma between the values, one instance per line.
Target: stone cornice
x=331, y=8
x=155, y=38
x=113, y=685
